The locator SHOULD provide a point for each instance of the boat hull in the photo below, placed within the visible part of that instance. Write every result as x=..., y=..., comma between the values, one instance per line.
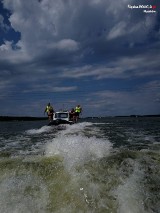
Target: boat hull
x=59, y=121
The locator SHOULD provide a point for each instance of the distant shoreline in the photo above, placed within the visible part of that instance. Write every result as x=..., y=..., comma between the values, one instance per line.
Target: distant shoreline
x=29, y=118
x=21, y=118
x=124, y=116
x=135, y=116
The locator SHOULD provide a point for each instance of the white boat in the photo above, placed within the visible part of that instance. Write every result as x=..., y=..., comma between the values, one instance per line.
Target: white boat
x=61, y=118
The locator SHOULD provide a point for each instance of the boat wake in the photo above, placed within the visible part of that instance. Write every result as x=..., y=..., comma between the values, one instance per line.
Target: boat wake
x=76, y=147
x=77, y=168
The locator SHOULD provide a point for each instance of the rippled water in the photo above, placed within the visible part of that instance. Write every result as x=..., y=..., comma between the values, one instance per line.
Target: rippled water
x=98, y=165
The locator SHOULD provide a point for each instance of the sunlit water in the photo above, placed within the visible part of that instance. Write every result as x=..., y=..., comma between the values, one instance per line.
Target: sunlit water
x=107, y=165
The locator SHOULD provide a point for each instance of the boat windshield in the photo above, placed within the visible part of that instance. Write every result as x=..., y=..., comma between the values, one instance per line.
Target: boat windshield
x=61, y=115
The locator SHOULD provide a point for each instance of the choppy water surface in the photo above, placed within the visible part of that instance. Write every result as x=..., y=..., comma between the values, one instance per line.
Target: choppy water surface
x=104, y=165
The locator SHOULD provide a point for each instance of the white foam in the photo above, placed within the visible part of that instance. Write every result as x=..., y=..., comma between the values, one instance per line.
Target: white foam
x=39, y=131
x=129, y=194
x=75, y=147
x=15, y=198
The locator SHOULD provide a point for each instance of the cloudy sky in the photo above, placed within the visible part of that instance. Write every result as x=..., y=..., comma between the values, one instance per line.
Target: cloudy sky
x=100, y=54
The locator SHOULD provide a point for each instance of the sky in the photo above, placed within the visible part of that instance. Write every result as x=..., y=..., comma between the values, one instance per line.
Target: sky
x=101, y=54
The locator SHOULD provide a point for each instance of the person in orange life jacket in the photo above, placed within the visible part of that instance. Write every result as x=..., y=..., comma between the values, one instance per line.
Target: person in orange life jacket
x=78, y=110
x=49, y=110
x=72, y=115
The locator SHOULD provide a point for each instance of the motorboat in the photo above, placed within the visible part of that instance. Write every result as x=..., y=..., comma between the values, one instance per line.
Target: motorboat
x=61, y=118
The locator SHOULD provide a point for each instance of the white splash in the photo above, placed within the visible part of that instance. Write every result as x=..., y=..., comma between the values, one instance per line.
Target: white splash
x=39, y=131
x=15, y=198
x=129, y=194
x=75, y=147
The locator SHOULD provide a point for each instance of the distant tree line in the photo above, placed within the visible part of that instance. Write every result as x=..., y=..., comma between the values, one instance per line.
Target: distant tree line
x=18, y=118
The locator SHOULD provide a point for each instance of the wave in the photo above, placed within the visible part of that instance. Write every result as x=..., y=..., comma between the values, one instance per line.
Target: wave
x=75, y=147
x=80, y=170
x=39, y=131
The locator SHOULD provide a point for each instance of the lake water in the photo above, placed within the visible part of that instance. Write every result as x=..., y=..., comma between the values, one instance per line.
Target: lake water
x=109, y=165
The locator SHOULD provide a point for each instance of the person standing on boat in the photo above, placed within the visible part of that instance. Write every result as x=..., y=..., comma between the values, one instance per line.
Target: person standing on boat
x=72, y=115
x=49, y=110
x=78, y=111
